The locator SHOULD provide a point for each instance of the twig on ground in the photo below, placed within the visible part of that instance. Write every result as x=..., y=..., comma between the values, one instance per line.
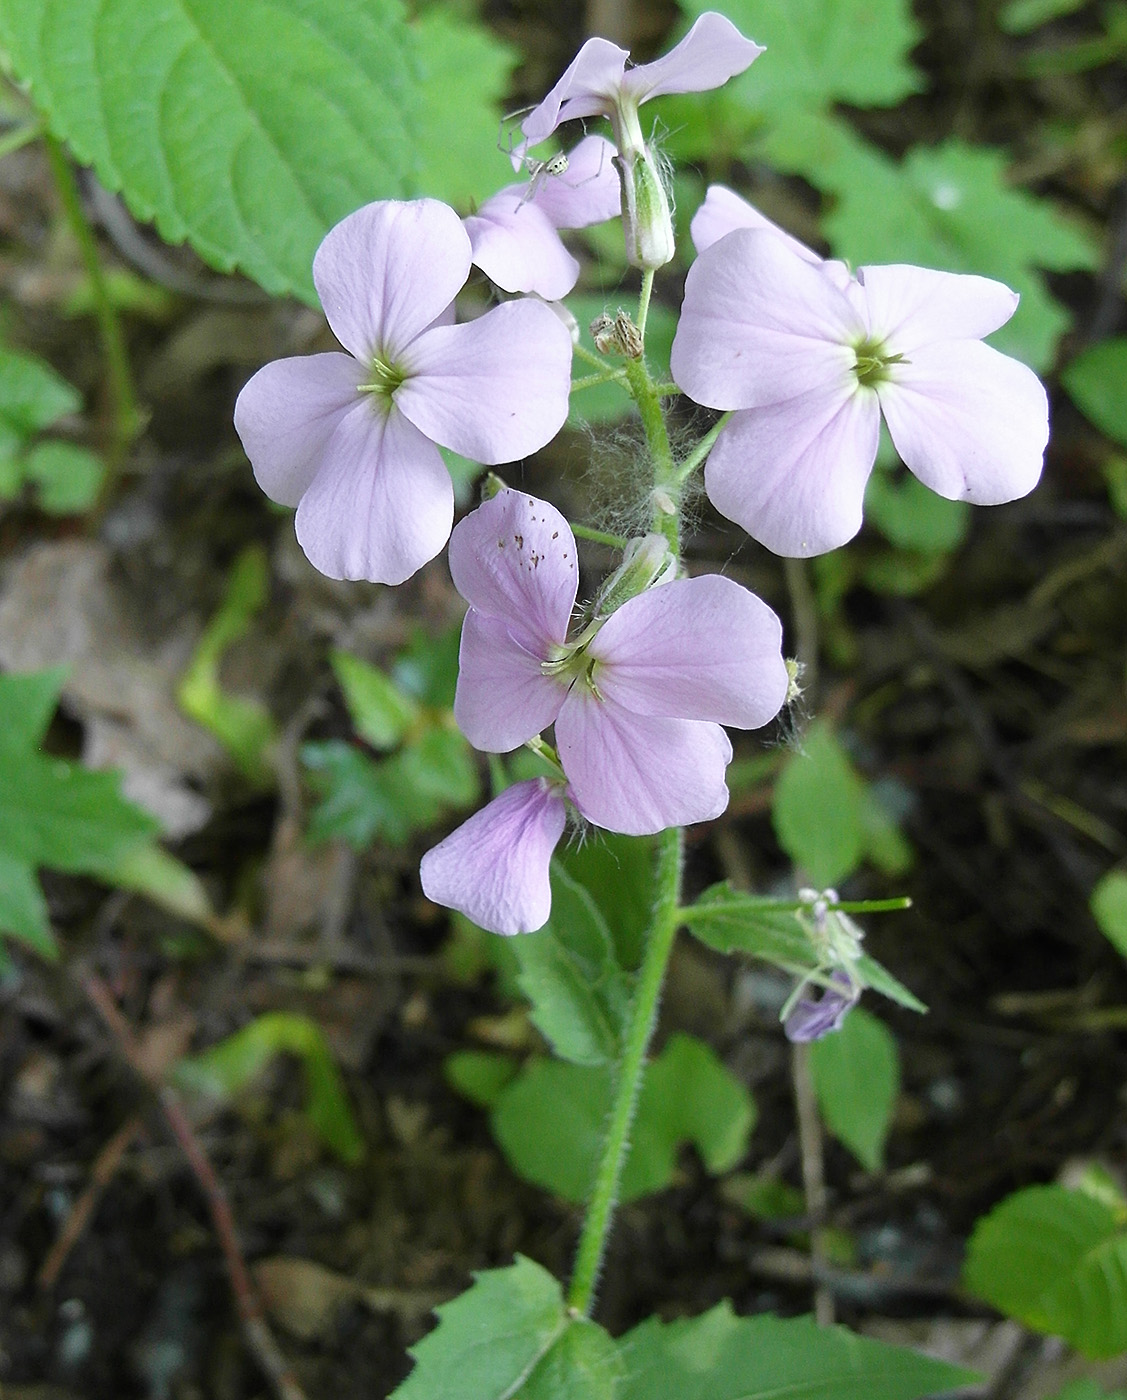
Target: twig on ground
x=247, y=1301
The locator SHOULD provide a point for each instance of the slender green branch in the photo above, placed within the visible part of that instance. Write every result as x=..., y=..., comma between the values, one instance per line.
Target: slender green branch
x=644, y=301
x=126, y=420
x=590, y=380
x=639, y=1032
x=668, y=390
x=589, y=356
x=19, y=137
x=585, y=532
x=702, y=449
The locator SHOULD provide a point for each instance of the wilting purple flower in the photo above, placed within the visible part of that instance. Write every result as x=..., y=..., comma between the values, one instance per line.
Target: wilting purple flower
x=814, y=1016
x=514, y=236
x=494, y=867
x=810, y=359
x=637, y=699
x=349, y=439
x=598, y=83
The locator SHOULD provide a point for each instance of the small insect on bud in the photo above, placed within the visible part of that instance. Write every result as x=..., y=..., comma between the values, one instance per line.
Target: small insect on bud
x=602, y=333
x=617, y=335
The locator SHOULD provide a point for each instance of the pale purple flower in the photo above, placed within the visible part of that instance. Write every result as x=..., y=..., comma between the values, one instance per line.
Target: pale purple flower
x=514, y=234
x=810, y=359
x=814, y=1016
x=598, y=82
x=349, y=439
x=637, y=699
x=495, y=867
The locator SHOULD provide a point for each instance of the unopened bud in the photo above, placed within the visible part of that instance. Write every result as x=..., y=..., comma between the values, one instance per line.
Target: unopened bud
x=646, y=562
x=492, y=485
x=617, y=335
x=646, y=219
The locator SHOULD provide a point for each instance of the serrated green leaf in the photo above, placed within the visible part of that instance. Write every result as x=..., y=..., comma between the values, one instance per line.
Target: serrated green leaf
x=228, y=1068
x=733, y=922
x=1095, y=381
x=856, y=1075
x=491, y=1339
x=618, y=873
x=380, y=711
x=1056, y=1260
x=551, y=1120
x=817, y=808
x=463, y=77
x=246, y=129
x=584, y=1364
x=32, y=395
x=948, y=207
x=23, y=910
x=723, y=1357
x=1109, y=908
x=27, y=702
x=821, y=51
x=354, y=804
x=439, y=768
x=569, y=973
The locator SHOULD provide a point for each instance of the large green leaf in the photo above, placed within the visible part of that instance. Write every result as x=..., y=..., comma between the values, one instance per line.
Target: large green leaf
x=856, y=1074
x=569, y=973
x=723, y=1357
x=618, y=873
x=551, y=1120
x=817, y=808
x=822, y=51
x=247, y=129
x=1095, y=380
x=491, y=1339
x=1056, y=1260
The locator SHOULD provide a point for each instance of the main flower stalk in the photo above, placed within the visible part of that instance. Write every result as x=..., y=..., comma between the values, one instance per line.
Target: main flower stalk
x=665, y=918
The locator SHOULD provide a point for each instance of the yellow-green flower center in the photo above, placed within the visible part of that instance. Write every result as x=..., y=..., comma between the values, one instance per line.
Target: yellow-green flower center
x=872, y=362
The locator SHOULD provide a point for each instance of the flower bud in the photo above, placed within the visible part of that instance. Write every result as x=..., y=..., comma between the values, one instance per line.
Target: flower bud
x=646, y=218
x=646, y=562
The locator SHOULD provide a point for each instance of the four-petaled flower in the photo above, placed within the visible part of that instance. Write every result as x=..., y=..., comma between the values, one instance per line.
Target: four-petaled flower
x=811, y=358
x=637, y=698
x=514, y=236
x=350, y=439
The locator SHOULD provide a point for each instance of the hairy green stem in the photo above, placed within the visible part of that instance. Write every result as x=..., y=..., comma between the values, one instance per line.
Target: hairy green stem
x=585, y=532
x=667, y=488
x=702, y=449
x=126, y=420
x=639, y=1032
x=590, y=380
x=582, y=353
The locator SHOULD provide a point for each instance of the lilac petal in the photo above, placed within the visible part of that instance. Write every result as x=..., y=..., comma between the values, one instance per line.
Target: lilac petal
x=503, y=698
x=518, y=248
x=914, y=306
x=494, y=390
x=514, y=558
x=970, y=422
x=387, y=271
x=381, y=503
x=812, y=1016
x=723, y=211
x=711, y=52
x=589, y=190
x=587, y=88
x=699, y=648
x=760, y=324
x=793, y=474
x=287, y=413
x=495, y=867
x=640, y=773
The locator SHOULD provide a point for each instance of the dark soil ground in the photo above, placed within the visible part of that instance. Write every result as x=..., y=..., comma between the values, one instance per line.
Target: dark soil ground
x=995, y=699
